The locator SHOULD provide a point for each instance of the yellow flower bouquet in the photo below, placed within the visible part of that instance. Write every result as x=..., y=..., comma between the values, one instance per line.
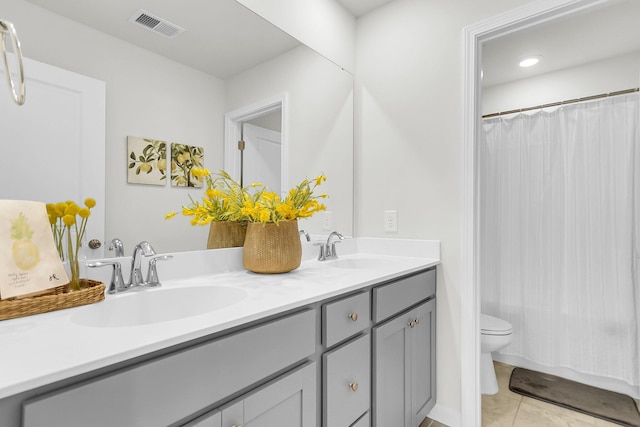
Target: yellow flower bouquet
x=267, y=206
x=68, y=225
x=272, y=243
x=225, y=200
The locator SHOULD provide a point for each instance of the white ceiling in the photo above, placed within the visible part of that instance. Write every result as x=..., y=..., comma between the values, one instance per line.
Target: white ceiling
x=564, y=43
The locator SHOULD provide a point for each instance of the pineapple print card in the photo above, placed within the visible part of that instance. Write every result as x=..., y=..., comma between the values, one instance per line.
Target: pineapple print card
x=29, y=261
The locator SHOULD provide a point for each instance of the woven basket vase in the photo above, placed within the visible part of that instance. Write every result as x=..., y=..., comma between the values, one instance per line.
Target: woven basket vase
x=272, y=248
x=226, y=234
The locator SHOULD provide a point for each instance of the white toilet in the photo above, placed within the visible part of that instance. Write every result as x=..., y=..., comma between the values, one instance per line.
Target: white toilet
x=494, y=334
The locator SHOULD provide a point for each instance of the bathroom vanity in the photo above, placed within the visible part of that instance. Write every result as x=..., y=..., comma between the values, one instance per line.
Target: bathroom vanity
x=349, y=342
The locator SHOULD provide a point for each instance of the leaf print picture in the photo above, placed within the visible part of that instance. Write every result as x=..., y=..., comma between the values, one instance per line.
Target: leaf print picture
x=147, y=161
x=24, y=252
x=184, y=158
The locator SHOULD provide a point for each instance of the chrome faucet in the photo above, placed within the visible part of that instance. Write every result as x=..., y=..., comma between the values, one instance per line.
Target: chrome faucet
x=141, y=249
x=135, y=280
x=305, y=234
x=328, y=250
x=116, y=244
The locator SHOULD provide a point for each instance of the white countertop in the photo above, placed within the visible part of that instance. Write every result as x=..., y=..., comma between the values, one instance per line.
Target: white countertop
x=41, y=349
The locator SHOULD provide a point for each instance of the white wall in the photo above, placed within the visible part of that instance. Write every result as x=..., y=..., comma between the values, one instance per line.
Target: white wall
x=320, y=124
x=148, y=96
x=408, y=114
x=324, y=25
x=610, y=75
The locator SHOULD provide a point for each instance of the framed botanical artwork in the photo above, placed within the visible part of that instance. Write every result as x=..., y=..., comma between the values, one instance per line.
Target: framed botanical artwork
x=183, y=159
x=147, y=161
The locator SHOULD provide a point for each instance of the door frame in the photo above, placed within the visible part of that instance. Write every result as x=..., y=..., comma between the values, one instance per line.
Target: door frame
x=233, y=130
x=535, y=13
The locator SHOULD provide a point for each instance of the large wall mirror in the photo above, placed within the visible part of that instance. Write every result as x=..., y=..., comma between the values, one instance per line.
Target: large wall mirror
x=179, y=90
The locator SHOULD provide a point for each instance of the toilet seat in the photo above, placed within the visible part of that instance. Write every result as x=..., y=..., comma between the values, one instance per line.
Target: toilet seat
x=490, y=325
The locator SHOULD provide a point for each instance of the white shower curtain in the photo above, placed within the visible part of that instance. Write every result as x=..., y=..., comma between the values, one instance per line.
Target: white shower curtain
x=560, y=235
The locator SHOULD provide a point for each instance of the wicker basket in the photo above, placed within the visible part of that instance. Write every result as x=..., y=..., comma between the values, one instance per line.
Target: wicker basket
x=272, y=248
x=91, y=292
x=226, y=234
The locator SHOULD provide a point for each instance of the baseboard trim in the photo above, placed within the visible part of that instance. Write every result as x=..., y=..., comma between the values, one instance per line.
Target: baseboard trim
x=445, y=415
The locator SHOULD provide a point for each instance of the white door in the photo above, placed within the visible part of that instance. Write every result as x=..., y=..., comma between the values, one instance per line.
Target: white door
x=262, y=157
x=53, y=146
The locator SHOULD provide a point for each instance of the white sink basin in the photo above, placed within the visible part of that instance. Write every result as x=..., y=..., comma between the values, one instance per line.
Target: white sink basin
x=157, y=305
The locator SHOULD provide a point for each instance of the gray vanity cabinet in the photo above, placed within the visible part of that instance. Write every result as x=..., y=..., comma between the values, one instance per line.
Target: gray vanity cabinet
x=289, y=401
x=404, y=354
x=363, y=359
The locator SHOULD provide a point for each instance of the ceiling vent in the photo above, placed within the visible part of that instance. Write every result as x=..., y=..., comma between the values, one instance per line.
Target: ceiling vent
x=157, y=25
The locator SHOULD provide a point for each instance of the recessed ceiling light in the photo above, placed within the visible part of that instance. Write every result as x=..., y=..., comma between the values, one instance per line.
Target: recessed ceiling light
x=529, y=61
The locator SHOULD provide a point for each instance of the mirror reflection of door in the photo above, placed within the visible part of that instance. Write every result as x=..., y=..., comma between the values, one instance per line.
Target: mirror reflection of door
x=263, y=151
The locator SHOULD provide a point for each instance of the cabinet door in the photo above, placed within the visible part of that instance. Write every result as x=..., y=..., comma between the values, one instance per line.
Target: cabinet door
x=287, y=402
x=391, y=391
x=403, y=368
x=423, y=367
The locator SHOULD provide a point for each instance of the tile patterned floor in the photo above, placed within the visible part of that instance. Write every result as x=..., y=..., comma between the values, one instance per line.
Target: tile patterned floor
x=508, y=409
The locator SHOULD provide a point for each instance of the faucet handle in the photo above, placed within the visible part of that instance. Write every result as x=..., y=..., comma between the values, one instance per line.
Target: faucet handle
x=117, y=283
x=331, y=250
x=116, y=244
x=322, y=255
x=152, y=273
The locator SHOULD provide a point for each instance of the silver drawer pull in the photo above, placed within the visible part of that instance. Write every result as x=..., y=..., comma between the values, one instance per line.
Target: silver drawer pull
x=412, y=324
x=353, y=386
x=353, y=316
x=417, y=321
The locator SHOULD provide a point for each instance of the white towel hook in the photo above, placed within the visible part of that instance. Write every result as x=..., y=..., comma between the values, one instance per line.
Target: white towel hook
x=7, y=29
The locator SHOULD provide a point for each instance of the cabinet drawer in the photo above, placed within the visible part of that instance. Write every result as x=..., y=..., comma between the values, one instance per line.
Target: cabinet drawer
x=347, y=382
x=167, y=389
x=345, y=318
x=397, y=296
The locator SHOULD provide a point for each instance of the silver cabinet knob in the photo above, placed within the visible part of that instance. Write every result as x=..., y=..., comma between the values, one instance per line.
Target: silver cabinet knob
x=353, y=386
x=353, y=316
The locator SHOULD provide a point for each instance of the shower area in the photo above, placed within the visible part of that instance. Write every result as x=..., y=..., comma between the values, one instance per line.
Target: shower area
x=559, y=233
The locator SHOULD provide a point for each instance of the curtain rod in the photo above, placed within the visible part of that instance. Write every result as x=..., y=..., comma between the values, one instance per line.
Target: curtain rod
x=556, y=104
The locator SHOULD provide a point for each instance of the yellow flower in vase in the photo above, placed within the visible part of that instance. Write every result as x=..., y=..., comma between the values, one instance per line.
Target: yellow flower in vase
x=225, y=200
x=67, y=228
